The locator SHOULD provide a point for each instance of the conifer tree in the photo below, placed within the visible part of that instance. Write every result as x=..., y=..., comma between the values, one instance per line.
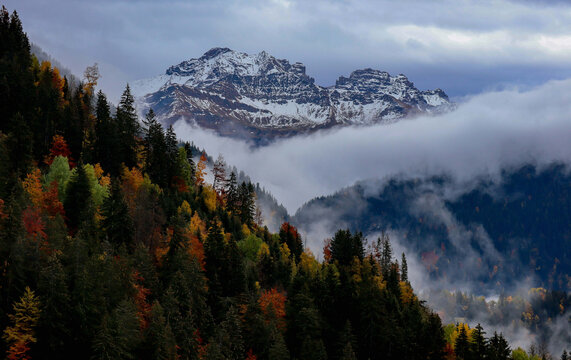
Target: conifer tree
x=128, y=128
x=386, y=254
x=171, y=154
x=191, y=163
x=160, y=341
x=345, y=246
x=462, y=346
x=479, y=343
x=232, y=193
x=107, y=143
x=117, y=222
x=156, y=164
x=78, y=197
x=53, y=328
x=498, y=348
x=404, y=269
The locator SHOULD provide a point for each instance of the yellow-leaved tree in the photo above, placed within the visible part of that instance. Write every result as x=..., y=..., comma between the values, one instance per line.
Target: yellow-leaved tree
x=21, y=334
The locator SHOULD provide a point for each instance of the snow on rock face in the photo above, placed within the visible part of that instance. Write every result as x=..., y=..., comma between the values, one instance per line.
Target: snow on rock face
x=235, y=93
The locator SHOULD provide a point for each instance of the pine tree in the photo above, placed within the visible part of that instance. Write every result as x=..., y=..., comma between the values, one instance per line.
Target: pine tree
x=118, y=335
x=160, y=341
x=345, y=247
x=191, y=163
x=156, y=164
x=498, y=348
x=232, y=193
x=462, y=346
x=78, y=197
x=107, y=143
x=386, y=254
x=247, y=202
x=404, y=269
x=54, y=334
x=117, y=222
x=171, y=154
x=128, y=128
x=479, y=343
x=347, y=343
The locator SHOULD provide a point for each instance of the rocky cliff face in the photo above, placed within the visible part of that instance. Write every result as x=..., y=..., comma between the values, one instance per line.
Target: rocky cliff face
x=255, y=96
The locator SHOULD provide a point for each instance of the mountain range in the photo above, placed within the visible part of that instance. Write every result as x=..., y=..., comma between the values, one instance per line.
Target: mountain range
x=260, y=97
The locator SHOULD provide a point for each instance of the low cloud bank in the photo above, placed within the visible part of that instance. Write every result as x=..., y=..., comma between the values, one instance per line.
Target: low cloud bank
x=485, y=134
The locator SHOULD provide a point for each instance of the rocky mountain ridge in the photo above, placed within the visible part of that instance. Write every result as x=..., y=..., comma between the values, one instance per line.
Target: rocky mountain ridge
x=254, y=96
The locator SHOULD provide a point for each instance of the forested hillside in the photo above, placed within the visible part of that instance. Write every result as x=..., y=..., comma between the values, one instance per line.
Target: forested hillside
x=113, y=246
x=517, y=226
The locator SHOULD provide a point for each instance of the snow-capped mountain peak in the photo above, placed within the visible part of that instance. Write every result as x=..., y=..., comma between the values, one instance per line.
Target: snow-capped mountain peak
x=231, y=91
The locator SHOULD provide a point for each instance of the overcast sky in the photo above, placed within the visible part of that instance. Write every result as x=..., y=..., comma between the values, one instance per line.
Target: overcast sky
x=462, y=46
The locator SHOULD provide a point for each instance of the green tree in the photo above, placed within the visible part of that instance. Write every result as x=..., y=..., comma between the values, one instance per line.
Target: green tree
x=462, y=346
x=404, y=269
x=107, y=143
x=128, y=128
x=78, y=197
x=118, y=334
x=479, y=344
x=498, y=348
x=160, y=343
x=345, y=247
x=117, y=222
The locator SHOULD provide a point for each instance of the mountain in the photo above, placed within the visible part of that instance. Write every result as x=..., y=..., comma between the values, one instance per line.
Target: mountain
x=243, y=95
x=491, y=234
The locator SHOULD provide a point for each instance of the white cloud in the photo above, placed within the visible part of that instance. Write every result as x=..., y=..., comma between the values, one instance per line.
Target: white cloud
x=484, y=134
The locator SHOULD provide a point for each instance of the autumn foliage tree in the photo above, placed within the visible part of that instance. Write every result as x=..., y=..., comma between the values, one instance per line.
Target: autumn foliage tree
x=201, y=170
x=272, y=302
x=59, y=148
x=24, y=318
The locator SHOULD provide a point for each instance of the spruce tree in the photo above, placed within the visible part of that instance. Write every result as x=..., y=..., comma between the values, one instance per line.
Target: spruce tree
x=462, y=346
x=479, y=343
x=117, y=222
x=160, y=343
x=345, y=247
x=78, y=197
x=232, y=193
x=156, y=164
x=498, y=348
x=404, y=269
x=128, y=128
x=171, y=154
x=107, y=142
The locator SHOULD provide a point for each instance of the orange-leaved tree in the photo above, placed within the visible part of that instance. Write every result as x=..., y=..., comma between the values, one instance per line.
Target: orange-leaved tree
x=20, y=335
x=33, y=187
x=201, y=170
x=272, y=303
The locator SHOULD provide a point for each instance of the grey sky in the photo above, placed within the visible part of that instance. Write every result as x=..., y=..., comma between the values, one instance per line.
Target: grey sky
x=464, y=47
